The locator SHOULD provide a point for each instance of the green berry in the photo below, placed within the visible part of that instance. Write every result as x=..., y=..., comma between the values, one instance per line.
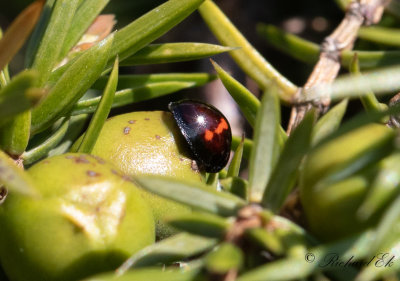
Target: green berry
x=149, y=142
x=336, y=177
x=89, y=219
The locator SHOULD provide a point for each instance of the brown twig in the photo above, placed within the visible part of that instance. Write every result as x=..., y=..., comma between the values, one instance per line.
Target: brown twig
x=359, y=12
x=248, y=217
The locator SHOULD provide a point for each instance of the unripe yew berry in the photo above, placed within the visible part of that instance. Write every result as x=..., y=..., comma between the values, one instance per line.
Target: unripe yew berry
x=336, y=177
x=149, y=142
x=89, y=218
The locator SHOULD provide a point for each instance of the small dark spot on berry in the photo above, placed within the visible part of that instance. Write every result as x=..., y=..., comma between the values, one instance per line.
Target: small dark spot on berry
x=115, y=172
x=132, y=121
x=92, y=173
x=46, y=162
x=127, y=130
x=81, y=159
x=147, y=119
x=181, y=159
x=126, y=178
x=70, y=157
x=158, y=137
x=98, y=159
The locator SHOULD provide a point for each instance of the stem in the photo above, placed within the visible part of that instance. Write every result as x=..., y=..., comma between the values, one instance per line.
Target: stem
x=359, y=12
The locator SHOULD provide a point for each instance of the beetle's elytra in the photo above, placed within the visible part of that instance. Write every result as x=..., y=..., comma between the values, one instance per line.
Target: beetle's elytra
x=206, y=130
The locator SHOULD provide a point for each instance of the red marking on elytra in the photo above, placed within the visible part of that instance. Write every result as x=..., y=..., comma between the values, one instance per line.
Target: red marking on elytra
x=208, y=135
x=221, y=126
x=206, y=131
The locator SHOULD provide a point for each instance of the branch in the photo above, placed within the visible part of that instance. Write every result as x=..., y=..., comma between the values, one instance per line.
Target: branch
x=359, y=12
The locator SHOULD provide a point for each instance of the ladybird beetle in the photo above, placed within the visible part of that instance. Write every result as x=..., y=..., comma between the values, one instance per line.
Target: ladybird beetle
x=207, y=132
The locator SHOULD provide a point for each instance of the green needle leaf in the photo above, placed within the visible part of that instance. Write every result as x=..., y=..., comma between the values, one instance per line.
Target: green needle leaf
x=204, y=224
x=268, y=240
x=72, y=85
x=247, y=57
x=342, y=3
x=14, y=178
x=18, y=32
x=145, y=29
x=380, y=81
x=141, y=80
x=46, y=146
x=352, y=151
x=384, y=187
x=38, y=32
x=371, y=59
x=299, y=267
x=224, y=258
x=146, y=274
x=280, y=241
x=76, y=126
x=386, y=241
x=381, y=35
x=369, y=100
x=308, y=52
x=128, y=96
x=174, y=52
x=14, y=137
x=360, y=120
x=101, y=114
x=4, y=74
x=236, y=185
x=212, y=179
x=83, y=18
x=384, y=265
x=175, y=248
x=234, y=166
x=247, y=102
x=247, y=145
x=19, y=95
x=295, y=46
x=198, y=196
x=291, y=227
x=150, y=26
x=285, y=172
x=4, y=77
x=265, y=150
x=330, y=122
x=52, y=41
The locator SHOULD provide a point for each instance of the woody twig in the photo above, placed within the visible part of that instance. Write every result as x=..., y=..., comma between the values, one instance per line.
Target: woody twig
x=359, y=12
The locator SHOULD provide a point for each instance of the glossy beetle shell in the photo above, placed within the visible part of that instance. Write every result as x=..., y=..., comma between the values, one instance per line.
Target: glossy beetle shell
x=207, y=132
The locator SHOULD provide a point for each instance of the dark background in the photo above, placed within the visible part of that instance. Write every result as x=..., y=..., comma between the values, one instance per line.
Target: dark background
x=311, y=19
